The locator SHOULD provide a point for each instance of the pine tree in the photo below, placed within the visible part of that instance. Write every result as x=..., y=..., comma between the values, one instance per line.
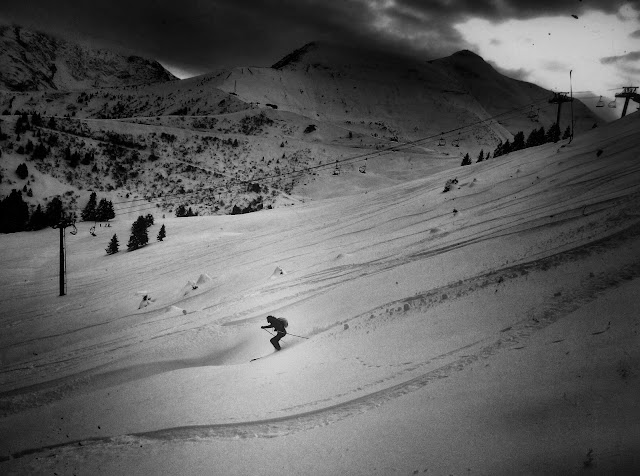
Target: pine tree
x=480, y=156
x=90, y=213
x=149, y=219
x=22, y=171
x=105, y=210
x=14, y=213
x=113, y=245
x=139, y=236
x=38, y=219
x=162, y=233
x=567, y=133
x=506, y=148
x=553, y=134
x=498, y=150
x=518, y=141
x=181, y=211
x=466, y=160
x=22, y=124
x=54, y=211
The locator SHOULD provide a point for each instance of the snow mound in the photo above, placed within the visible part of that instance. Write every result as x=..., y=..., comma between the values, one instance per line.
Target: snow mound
x=277, y=272
x=188, y=288
x=175, y=310
x=204, y=278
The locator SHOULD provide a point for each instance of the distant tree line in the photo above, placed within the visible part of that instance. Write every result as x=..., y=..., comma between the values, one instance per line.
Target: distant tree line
x=139, y=235
x=14, y=214
x=536, y=137
x=183, y=211
x=95, y=211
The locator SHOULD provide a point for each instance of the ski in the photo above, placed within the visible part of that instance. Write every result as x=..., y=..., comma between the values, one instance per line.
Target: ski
x=262, y=357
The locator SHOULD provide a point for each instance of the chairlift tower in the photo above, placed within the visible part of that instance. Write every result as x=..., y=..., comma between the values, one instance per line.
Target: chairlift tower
x=628, y=92
x=559, y=98
x=64, y=223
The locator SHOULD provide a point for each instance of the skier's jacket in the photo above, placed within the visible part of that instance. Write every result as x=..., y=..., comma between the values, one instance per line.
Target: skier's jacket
x=277, y=324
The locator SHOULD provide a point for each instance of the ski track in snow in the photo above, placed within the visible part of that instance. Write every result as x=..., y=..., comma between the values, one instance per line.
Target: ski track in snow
x=315, y=283
x=513, y=337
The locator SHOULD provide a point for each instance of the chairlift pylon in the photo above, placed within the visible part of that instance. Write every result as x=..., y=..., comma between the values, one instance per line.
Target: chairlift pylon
x=600, y=102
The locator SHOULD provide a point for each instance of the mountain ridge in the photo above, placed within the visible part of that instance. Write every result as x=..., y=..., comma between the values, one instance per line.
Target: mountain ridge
x=31, y=60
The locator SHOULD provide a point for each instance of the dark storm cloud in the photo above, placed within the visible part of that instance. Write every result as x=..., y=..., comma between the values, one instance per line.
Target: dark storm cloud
x=632, y=56
x=200, y=36
x=631, y=70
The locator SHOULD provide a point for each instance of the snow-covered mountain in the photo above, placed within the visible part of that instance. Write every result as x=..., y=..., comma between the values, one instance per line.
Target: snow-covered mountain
x=491, y=329
x=408, y=99
x=318, y=105
x=34, y=61
x=442, y=319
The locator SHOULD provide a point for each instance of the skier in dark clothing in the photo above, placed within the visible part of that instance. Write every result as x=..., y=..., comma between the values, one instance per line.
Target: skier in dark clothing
x=279, y=326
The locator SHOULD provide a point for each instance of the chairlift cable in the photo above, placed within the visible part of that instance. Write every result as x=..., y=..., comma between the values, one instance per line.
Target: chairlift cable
x=237, y=182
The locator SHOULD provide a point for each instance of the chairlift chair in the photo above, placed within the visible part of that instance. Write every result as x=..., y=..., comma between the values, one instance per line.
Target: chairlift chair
x=600, y=102
x=442, y=142
x=613, y=104
x=336, y=171
x=363, y=168
x=456, y=141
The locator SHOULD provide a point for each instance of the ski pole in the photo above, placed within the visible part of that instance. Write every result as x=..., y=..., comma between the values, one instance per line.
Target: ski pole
x=289, y=334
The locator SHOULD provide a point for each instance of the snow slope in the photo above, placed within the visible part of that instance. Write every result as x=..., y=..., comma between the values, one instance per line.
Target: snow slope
x=492, y=329
x=407, y=99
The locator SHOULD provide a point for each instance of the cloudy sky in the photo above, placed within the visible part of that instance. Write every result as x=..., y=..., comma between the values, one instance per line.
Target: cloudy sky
x=535, y=40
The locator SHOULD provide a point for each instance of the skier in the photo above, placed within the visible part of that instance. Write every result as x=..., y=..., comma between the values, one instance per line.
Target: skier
x=278, y=325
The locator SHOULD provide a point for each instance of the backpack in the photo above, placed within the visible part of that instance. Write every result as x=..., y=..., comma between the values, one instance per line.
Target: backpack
x=285, y=323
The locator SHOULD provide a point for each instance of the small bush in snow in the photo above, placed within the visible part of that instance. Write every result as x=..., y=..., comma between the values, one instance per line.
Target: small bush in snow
x=22, y=171
x=449, y=185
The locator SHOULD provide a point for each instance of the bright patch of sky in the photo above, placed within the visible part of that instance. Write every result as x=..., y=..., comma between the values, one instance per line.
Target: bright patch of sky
x=546, y=49
x=176, y=71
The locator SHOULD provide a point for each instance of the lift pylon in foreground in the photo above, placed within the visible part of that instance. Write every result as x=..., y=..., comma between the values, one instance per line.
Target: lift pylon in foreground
x=628, y=92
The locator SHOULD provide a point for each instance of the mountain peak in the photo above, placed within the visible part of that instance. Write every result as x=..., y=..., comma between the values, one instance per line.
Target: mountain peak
x=467, y=54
